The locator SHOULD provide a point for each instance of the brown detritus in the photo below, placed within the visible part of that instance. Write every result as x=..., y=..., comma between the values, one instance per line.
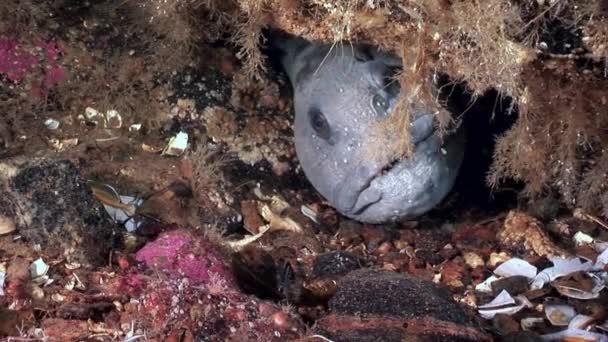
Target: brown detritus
x=526, y=234
x=64, y=330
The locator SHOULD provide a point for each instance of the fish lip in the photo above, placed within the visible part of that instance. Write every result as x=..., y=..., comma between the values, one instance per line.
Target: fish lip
x=361, y=196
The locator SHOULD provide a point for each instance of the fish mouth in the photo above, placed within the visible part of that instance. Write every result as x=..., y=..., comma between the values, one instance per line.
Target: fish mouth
x=354, y=197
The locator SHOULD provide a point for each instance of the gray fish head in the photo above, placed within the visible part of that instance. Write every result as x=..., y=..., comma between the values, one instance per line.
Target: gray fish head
x=340, y=94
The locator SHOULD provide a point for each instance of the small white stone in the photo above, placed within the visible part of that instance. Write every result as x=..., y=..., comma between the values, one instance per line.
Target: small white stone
x=51, y=124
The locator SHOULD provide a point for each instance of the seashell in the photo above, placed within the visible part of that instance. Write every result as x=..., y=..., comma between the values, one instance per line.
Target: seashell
x=51, y=124
x=504, y=303
x=581, y=238
x=580, y=322
x=516, y=267
x=577, y=293
x=561, y=267
x=310, y=213
x=38, y=268
x=559, y=314
x=113, y=119
x=486, y=285
x=177, y=144
x=530, y=322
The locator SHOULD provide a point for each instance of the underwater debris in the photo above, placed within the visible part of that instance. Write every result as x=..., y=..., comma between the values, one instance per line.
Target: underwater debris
x=176, y=145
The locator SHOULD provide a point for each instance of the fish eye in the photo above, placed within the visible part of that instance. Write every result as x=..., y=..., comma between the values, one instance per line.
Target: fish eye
x=319, y=123
x=363, y=54
x=380, y=104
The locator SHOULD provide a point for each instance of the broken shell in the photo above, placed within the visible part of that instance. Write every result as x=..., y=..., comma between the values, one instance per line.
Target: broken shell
x=531, y=322
x=577, y=293
x=580, y=322
x=177, y=144
x=581, y=238
x=601, y=261
x=74, y=282
x=38, y=268
x=504, y=303
x=51, y=124
x=516, y=267
x=7, y=225
x=559, y=314
x=113, y=119
x=486, y=285
x=310, y=213
x=91, y=113
x=2, y=279
x=135, y=127
x=561, y=267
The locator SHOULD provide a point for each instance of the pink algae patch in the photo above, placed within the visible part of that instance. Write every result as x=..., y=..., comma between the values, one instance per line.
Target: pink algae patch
x=179, y=254
x=16, y=62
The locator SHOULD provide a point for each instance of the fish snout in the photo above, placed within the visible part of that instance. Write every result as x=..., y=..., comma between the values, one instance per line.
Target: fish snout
x=353, y=193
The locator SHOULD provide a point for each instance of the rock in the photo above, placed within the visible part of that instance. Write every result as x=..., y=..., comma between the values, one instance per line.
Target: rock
x=372, y=305
x=514, y=285
x=51, y=205
x=473, y=260
x=186, y=281
x=335, y=263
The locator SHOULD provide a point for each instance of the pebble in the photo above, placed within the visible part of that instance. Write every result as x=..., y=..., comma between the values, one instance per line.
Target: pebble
x=473, y=260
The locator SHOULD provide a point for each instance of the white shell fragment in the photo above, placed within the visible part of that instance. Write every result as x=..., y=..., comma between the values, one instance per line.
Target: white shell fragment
x=601, y=261
x=310, y=213
x=113, y=119
x=516, y=267
x=561, y=267
x=38, y=268
x=581, y=238
x=559, y=314
x=579, y=334
x=580, y=322
x=529, y=323
x=91, y=113
x=504, y=303
x=74, y=282
x=2, y=279
x=135, y=127
x=51, y=124
x=177, y=144
x=486, y=285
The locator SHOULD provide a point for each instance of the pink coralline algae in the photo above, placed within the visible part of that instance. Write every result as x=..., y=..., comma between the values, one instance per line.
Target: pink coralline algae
x=180, y=254
x=17, y=61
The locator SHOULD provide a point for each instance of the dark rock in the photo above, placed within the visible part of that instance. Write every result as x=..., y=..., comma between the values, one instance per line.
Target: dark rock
x=388, y=293
x=335, y=263
x=373, y=305
x=514, y=285
x=52, y=205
